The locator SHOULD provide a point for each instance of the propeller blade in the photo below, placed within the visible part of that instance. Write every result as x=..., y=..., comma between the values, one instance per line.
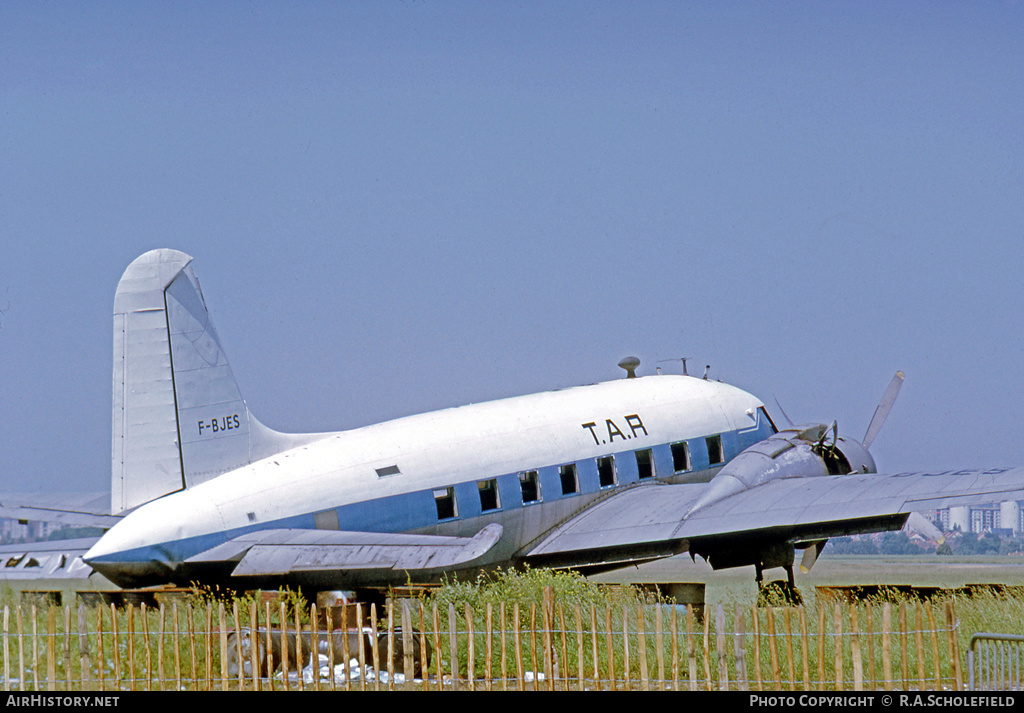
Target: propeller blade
x=884, y=407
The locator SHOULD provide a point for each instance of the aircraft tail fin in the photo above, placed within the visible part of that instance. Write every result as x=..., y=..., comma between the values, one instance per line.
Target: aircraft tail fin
x=178, y=416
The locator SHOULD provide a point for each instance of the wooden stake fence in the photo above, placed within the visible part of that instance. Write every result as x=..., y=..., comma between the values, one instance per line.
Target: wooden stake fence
x=556, y=646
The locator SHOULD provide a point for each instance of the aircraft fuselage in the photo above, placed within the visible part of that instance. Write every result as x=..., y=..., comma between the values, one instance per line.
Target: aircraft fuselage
x=527, y=463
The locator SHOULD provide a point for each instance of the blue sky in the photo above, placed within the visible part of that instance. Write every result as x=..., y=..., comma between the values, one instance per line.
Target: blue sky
x=401, y=206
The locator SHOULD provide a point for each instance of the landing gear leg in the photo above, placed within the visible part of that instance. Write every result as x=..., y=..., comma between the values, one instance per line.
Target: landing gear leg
x=777, y=592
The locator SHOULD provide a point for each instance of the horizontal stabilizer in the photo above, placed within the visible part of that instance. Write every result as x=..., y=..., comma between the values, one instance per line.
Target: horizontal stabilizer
x=281, y=552
x=67, y=518
x=62, y=509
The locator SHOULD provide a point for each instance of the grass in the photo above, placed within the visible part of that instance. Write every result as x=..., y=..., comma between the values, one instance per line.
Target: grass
x=621, y=632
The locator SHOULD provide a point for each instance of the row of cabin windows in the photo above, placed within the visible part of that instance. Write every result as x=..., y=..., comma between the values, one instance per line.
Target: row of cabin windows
x=529, y=481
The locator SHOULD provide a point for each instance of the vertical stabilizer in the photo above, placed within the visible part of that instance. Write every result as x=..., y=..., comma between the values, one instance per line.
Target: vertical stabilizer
x=178, y=416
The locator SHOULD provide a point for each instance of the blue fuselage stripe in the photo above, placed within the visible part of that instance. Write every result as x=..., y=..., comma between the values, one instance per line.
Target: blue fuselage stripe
x=417, y=510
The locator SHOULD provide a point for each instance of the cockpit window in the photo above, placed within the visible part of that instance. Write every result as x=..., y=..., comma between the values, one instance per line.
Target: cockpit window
x=764, y=412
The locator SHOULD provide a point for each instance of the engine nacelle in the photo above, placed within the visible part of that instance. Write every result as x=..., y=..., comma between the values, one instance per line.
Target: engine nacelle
x=798, y=452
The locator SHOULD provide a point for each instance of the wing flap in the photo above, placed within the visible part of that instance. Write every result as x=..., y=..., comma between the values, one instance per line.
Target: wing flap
x=279, y=552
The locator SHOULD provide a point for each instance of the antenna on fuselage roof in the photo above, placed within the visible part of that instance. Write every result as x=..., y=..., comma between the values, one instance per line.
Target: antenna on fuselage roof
x=682, y=359
x=630, y=364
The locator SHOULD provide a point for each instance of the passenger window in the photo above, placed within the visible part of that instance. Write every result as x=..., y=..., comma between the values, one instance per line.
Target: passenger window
x=644, y=464
x=567, y=474
x=715, y=455
x=488, y=495
x=606, y=471
x=529, y=486
x=680, y=457
x=445, y=501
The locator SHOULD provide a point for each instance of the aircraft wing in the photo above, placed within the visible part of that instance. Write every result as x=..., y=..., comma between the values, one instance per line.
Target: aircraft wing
x=289, y=551
x=825, y=506
x=651, y=521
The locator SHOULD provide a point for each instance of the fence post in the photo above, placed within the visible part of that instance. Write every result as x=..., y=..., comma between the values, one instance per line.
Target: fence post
x=919, y=639
x=146, y=643
x=869, y=615
x=805, y=648
x=755, y=620
x=958, y=683
x=547, y=618
x=453, y=646
x=99, y=645
x=691, y=654
x=837, y=623
x=787, y=620
x=299, y=666
x=470, y=649
x=773, y=648
x=375, y=647
x=115, y=649
x=579, y=646
x=904, y=662
x=223, y=640
x=858, y=662
x=488, y=645
x=51, y=648
x=707, y=652
x=740, y=648
x=437, y=647
x=517, y=643
x=723, y=667
x=362, y=646
x=408, y=667
x=160, y=647
x=390, y=652
x=659, y=643
x=239, y=661
x=821, y=646
x=626, y=677
x=565, y=655
x=424, y=658
x=254, y=645
x=504, y=670
x=83, y=646
x=935, y=646
x=641, y=645
x=609, y=648
x=68, y=673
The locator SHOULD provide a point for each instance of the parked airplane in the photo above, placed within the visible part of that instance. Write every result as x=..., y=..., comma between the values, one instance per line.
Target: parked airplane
x=592, y=478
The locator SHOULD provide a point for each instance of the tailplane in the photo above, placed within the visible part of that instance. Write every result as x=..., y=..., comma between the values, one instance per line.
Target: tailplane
x=178, y=416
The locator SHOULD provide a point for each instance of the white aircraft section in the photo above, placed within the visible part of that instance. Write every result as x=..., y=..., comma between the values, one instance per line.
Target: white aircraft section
x=442, y=448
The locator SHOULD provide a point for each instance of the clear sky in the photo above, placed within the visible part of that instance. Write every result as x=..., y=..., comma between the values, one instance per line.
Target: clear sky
x=401, y=206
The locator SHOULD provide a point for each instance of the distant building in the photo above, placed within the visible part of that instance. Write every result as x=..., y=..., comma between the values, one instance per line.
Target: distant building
x=980, y=518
